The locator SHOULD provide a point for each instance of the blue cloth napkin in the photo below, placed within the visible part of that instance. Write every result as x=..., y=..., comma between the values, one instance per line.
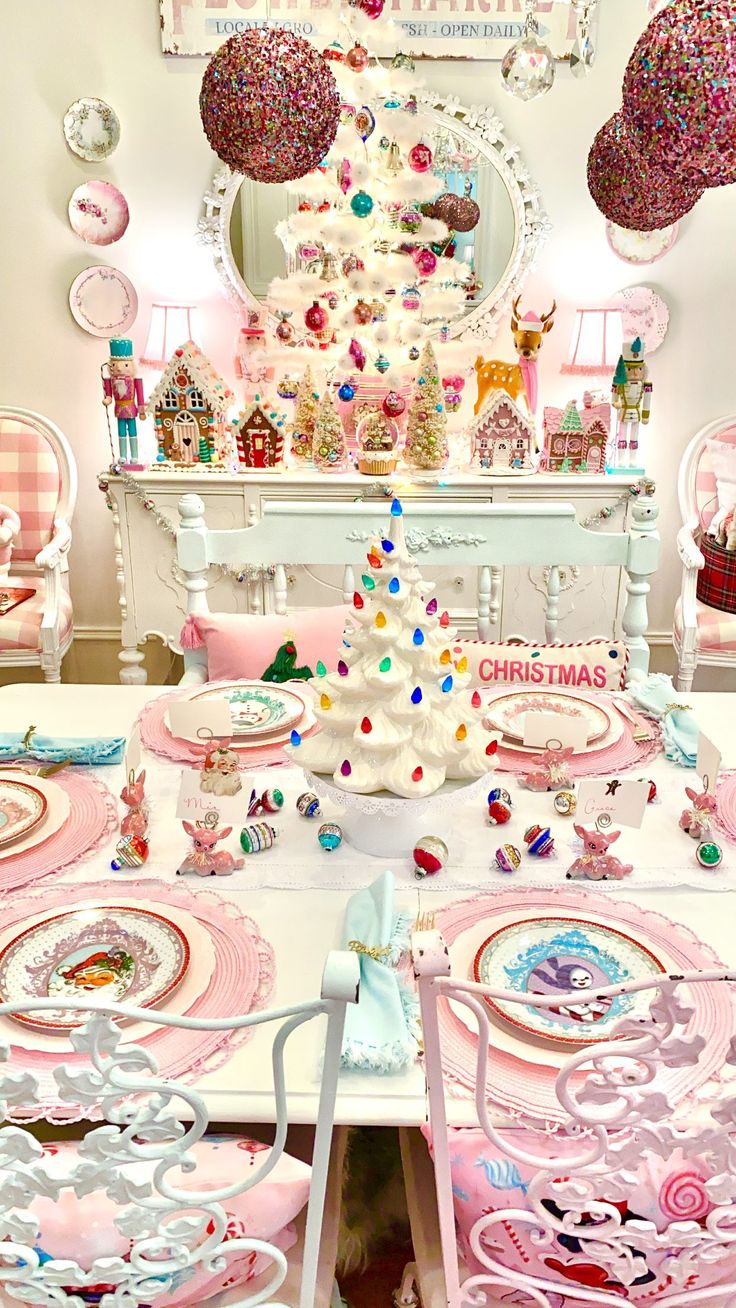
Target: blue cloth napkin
x=680, y=729
x=93, y=750
x=381, y=1030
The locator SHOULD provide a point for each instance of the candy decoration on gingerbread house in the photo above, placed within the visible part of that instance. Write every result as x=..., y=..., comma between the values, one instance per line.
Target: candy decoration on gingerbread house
x=576, y=441
x=260, y=437
x=502, y=438
x=190, y=406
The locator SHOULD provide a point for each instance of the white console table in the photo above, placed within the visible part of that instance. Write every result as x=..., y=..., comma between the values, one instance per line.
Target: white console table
x=152, y=599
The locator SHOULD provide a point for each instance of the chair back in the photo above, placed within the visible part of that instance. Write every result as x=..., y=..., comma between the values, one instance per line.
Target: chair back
x=38, y=477
x=490, y=536
x=164, y=1233
x=696, y=478
x=625, y=1199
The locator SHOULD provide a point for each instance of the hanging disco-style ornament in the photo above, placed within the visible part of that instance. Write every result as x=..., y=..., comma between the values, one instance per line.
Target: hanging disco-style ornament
x=528, y=68
x=629, y=190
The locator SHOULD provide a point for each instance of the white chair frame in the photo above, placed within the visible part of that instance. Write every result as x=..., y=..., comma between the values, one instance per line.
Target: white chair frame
x=121, y=1086
x=619, y=1112
x=494, y=536
x=52, y=560
x=686, y=643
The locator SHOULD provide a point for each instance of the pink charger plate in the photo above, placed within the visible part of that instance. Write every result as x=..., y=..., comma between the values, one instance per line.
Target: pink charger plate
x=93, y=816
x=622, y=754
x=525, y=1090
x=242, y=981
x=156, y=737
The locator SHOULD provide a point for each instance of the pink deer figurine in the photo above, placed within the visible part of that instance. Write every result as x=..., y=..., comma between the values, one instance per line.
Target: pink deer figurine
x=595, y=863
x=203, y=858
x=697, y=820
x=135, y=822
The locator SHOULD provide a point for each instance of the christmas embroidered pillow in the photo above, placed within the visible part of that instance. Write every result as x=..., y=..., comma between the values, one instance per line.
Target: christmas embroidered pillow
x=596, y=665
x=274, y=647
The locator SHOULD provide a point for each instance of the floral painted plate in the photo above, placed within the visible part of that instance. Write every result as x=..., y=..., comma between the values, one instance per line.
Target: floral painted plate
x=258, y=708
x=22, y=807
x=557, y=955
x=98, y=212
x=103, y=301
x=111, y=952
x=91, y=128
x=507, y=712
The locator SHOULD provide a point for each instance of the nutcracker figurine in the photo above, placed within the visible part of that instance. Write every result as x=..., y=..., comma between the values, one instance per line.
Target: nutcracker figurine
x=631, y=395
x=123, y=388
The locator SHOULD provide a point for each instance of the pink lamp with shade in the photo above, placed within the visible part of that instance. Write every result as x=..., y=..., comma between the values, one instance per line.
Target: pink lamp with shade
x=171, y=325
x=595, y=344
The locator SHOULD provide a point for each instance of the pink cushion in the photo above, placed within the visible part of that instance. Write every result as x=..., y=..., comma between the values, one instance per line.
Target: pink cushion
x=706, y=490
x=484, y=1180
x=9, y=529
x=21, y=627
x=716, y=629
x=30, y=481
x=84, y=1228
x=245, y=644
x=592, y=665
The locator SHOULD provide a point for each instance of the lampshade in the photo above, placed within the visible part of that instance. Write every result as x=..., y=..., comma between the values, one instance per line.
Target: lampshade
x=595, y=345
x=172, y=325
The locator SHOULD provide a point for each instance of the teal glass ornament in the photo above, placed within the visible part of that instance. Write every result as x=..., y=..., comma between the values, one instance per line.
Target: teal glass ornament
x=329, y=836
x=361, y=204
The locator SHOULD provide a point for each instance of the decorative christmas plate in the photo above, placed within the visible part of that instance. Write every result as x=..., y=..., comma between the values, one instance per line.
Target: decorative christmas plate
x=103, y=301
x=258, y=708
x=91, y=128
x=556, y=955
x=644, y=313
x=111, y=952
x=22, y=807
x=640, y=247
x=507, y=713
x=98, y=212
x=56, y=813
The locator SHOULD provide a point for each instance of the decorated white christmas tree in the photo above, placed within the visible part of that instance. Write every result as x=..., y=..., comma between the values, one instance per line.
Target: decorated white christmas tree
x=397, y=715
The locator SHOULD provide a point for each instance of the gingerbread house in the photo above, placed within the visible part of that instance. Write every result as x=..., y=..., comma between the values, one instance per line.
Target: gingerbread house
x=575, y=440
x=260, y=438
x=502, y=437
x=189, y=407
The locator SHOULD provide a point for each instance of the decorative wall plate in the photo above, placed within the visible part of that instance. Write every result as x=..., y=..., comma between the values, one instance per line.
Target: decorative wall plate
x=640, y=247
x=57, y=812
x=103, y=301
x=91, y=128
x=507, y=713
x=22, y=807
x=258, y=709
x=98, y=212
x=110, y=951
x=556, y=955
x=644, y=314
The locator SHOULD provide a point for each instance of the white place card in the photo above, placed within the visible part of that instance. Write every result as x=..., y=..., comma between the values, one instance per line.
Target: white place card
x=133, y=753
x=625, y=802
x=194, y=804
x=708, y=763
x=210, y=716
x=539, y=728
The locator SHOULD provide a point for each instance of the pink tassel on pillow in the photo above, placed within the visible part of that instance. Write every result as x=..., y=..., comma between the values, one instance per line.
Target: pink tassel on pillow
x=190, y=636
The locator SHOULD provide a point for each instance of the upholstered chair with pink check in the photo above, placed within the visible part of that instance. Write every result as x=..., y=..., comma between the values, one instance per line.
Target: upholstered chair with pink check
x=9, y=530
x=38, y=485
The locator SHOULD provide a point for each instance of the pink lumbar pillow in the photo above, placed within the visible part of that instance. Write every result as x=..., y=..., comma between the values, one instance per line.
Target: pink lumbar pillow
x=595, y=665
x=272, y=647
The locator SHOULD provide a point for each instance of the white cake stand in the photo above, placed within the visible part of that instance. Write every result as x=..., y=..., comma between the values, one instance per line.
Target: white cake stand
x=388, y=826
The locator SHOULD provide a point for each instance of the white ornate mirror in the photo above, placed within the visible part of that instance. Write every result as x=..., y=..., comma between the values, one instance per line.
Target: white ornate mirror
x=240, y=216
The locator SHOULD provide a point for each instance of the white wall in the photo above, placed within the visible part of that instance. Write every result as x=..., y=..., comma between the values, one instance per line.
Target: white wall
x=55, y=52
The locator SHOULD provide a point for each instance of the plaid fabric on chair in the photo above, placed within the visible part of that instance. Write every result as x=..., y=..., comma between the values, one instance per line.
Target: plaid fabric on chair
x=21, y=628
x=31, y=481
x=716, y=585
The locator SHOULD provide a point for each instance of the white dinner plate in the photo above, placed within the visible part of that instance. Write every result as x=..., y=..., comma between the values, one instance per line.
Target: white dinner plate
x=57, y=812
x=103, y=301
x=91, y=128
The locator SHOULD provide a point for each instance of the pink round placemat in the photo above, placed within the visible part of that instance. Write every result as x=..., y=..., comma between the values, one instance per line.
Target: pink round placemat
x=526, y=1089
x=242, y=982
x=155, y=735
x=726, y=814
x=93, y=816
x=625, y=753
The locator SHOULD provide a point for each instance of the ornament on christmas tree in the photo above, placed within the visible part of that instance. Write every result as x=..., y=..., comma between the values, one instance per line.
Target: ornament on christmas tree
x=305, y=417
x=329, y=447
x=357, y=58
x=362, y=313
x=420, y=158
x=270, y=105
x=284, y=668
x=361, y=204
x=426, y=431
x=346, y=393
x=379, y=733
x=393, y=404
x=316, y=317
x=284, y=329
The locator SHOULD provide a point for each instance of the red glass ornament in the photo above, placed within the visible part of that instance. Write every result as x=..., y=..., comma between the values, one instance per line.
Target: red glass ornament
x=362, y=313
x=357, y=601
x=417, y=774
x=393, y=404
x=357, y=58
x=426, y=262
x=284, y=332
x=420, y=158
x=498, y=813
x=316, y=317
x=366, y=726
x=371, y=8
x=492, y=747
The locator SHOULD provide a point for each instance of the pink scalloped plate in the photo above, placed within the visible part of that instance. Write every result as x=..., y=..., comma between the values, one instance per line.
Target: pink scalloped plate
x=625, y=753
x=156, y=736
x=93, y=816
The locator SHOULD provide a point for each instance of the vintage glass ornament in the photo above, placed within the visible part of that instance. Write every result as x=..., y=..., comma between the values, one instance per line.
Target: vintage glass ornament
x=539, y=841
x=382, y=363
x=393, y=404
x=528, y=68
x=709, y=854
x=269, y=104
x=420, y=158
x=499, y=813
x=357, y=58
x=357, y=354
x=271, y=801
x=637, y=193
x=507, y=858
x=257, y=837
x=414, y=353
x=287, y=389
x=565, y=803
x=284, y=332
x=426, y=262
x=430, y=856
x=498, y=792
x=411, y=298
x=307, y=805
x=410, y=220
x=316, y=318
x=350, y=264
x=334, y=51
x=330, y=836
x=346, y=393
x=365, y=123
x=371, y=8
x=652, y=791
x=130, y=851
x=453, y=401
x=362, y=204
x=362, y=313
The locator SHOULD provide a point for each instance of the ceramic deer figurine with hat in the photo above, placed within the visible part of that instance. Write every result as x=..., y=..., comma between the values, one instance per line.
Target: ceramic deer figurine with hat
x=517, y=379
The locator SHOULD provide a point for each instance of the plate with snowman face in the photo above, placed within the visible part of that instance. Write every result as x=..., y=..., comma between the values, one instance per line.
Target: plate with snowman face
x=259, y=710
x=112, y=952
x=559, y=956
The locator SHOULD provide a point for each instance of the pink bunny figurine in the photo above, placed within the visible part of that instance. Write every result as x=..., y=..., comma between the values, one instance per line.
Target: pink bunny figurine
x=202, y=858
x=595, y=863
x=135, y=822
x=697, y=820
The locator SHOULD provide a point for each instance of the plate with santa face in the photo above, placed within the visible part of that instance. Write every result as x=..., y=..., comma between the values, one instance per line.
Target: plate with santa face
x=506, y=713
x=110, y=952
x=258, y=709
x=22, y=807
x=559, y=955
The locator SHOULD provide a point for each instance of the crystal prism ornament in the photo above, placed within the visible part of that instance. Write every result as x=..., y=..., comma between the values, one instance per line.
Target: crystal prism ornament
x=528, y=68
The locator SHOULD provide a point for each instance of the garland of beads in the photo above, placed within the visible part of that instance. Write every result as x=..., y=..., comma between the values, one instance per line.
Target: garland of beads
x=243, y=574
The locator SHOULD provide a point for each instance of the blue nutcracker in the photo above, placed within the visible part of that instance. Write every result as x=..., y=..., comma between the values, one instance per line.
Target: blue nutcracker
x=124, y=389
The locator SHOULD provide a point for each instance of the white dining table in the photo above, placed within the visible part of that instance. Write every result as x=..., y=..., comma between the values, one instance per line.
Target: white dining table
x=299, y=904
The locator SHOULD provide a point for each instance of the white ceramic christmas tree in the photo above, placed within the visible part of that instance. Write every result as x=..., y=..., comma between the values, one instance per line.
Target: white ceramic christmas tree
x=397, y=715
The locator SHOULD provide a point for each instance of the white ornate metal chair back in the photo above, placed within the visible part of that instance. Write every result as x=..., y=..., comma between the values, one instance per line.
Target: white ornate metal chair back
x=579, y=1229
x=139, y=1156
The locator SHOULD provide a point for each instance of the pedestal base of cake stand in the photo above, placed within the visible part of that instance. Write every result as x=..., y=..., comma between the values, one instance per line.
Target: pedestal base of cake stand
x=388, y=826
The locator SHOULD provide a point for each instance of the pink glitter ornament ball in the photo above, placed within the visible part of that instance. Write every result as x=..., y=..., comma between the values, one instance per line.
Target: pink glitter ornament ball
x=679, y=93
x=269, y=104
x=459, y=212
x=640, y=196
